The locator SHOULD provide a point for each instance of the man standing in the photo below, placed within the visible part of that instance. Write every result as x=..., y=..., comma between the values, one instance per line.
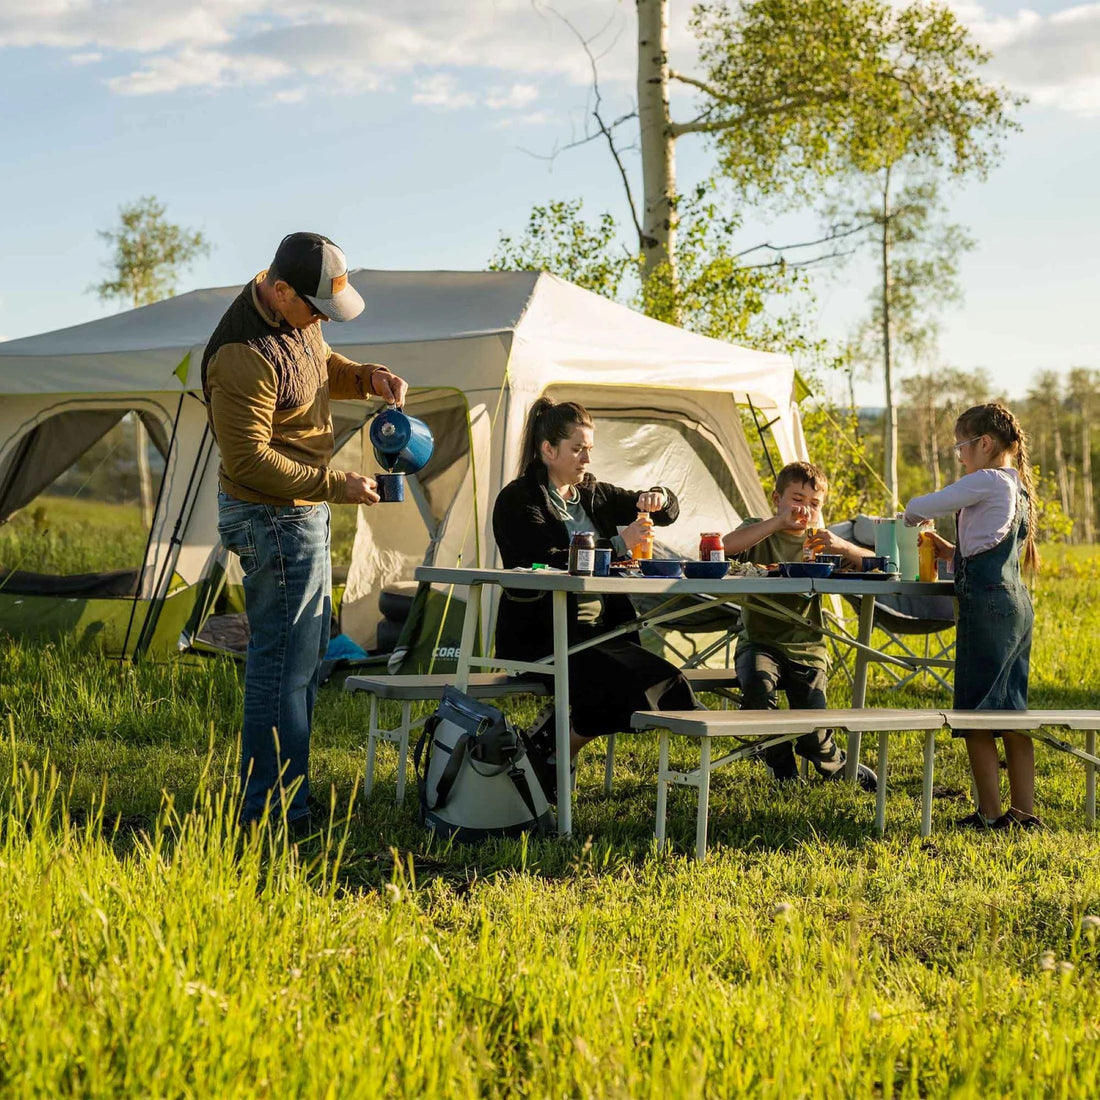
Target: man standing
x=268, y=377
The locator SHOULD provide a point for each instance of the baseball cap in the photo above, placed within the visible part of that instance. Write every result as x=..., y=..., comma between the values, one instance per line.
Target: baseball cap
x=317, y=270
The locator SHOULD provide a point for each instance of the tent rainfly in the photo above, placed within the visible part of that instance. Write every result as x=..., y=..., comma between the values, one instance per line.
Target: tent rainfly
x=477, y=349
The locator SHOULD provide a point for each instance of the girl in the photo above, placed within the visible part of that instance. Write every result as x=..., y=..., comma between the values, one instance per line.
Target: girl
x=995, y=502
x=533, y=520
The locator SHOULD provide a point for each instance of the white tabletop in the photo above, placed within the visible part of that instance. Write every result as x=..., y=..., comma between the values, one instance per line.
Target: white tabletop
x=550, y=580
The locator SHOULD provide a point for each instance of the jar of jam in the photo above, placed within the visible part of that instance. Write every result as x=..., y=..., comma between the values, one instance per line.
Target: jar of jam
x=582, y=554
x=710, y=547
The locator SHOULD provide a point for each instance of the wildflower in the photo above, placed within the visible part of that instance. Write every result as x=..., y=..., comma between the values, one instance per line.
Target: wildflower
x=1090, y=924
x=1046, y=960
x=1065, y=967
x=781, y=909
x=874, y=1016
x=393, y=892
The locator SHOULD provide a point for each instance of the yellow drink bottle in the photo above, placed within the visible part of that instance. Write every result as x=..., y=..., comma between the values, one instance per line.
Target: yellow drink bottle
x=926, y=556
x=643, y=551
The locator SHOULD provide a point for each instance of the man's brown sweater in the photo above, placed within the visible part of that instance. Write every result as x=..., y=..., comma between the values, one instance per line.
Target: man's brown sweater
x=267, y=388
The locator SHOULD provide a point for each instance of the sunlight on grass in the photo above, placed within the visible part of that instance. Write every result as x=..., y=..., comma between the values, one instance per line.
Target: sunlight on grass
x=151, y=950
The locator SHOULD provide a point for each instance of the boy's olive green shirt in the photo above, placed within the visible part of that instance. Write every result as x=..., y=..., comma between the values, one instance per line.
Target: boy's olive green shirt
x=272, y=420
x=802, y=644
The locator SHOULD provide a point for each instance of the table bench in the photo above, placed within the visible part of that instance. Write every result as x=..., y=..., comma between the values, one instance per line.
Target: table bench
x=759, y=730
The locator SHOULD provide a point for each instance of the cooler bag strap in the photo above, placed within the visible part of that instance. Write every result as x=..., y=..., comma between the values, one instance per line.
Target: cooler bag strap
x=519, y=779
x=450, y=772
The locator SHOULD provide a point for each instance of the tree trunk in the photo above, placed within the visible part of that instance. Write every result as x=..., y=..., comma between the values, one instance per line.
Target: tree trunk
x=890, y=439
x=934, y=441
x=658, y=241
x=1060, y=467
x=1088, y=514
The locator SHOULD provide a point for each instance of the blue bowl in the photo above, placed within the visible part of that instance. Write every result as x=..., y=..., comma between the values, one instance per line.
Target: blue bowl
x=661, y=567
x=800, y=570
x=705, y=570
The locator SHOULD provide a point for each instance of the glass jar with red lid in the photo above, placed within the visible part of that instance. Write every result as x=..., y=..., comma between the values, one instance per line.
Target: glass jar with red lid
x=710, y=547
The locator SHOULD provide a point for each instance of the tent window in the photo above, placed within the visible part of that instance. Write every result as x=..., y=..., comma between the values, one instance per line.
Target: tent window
x=77, y=496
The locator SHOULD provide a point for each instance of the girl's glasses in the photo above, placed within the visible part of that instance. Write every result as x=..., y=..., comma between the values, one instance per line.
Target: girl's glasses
x=957, y=448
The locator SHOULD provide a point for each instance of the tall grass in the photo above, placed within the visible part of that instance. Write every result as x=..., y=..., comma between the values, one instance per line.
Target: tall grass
x=150, y=949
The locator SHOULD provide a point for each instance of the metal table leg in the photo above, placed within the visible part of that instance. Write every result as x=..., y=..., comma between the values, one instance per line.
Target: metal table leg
x=926, y=786
x=880, y=794
x=469, y=637
x=662, y=789
x=704, y=800
x=561, y=712
x=1090, y=776
x=859, y=680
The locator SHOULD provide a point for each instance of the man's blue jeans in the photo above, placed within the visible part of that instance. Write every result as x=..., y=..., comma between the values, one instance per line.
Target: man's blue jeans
x=284, y=552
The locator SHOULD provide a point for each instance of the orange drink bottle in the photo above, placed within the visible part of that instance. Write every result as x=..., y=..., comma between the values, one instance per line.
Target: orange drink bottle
x=643, y=551
x=926, y=555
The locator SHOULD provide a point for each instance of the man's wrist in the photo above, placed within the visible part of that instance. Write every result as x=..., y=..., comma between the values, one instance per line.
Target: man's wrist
x=373, y=371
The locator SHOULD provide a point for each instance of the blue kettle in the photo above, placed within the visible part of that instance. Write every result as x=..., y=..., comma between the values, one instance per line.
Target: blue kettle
x=402, y=444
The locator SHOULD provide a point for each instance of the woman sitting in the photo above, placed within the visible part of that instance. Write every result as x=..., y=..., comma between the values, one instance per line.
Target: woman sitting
x=534, y=519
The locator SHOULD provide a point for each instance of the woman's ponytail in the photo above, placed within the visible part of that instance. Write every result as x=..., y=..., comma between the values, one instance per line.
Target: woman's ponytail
x=549, y=422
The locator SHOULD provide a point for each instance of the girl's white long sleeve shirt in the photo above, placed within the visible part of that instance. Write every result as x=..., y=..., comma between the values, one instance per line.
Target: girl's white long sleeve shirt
x=985, y=501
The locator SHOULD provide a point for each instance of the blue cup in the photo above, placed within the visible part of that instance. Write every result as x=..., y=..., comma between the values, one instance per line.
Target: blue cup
x=879, y=562
x=601, y=562
x=390, y=488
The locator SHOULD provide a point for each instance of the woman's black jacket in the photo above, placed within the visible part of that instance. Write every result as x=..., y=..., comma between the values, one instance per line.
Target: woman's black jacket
x=528, y=530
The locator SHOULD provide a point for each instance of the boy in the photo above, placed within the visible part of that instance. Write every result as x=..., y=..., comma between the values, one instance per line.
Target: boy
x=779, y=655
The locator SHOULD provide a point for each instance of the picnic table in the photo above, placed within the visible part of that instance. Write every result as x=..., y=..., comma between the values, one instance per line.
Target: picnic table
x=730, y=589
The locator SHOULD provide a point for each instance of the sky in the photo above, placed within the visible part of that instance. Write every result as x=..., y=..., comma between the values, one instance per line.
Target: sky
x=414, y=132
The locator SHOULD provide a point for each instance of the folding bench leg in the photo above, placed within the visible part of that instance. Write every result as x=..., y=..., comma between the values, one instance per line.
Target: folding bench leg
x=662, y=789
x=609, y=763
x=403, y=750
x=926, y=790
x=880, y=794
x=372, y=744
x=1090, y=776
x=704, y=800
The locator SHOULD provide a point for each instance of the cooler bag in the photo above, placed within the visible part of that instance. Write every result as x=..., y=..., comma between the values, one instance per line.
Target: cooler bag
x=473, y=775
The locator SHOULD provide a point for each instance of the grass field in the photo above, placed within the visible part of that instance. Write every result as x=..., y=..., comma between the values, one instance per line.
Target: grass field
x=147, y=951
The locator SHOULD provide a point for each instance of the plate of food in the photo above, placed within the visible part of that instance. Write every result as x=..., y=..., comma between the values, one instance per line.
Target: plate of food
x=749, y=569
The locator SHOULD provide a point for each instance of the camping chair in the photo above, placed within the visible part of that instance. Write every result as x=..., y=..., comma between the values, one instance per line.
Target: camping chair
x=899, y=617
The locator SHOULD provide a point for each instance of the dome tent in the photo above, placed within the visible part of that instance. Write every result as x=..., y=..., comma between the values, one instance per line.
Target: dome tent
x=477, y=348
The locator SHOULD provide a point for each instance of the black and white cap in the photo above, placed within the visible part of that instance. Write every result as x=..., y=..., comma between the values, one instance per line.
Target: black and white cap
x=317, y=270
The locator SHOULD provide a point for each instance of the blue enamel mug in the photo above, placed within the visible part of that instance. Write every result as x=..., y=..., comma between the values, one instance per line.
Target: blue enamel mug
x=402, y=444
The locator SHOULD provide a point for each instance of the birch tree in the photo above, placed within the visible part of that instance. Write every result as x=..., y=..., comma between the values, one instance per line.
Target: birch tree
x=149, y=252
x=1084, y=393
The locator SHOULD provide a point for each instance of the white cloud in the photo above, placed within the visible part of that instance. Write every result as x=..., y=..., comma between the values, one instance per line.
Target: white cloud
x=332, y=44
x=291, y=95
x=518, y=95
x=1053, y=59
x=441, y=90
x=198, y=69
x=347, y=46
